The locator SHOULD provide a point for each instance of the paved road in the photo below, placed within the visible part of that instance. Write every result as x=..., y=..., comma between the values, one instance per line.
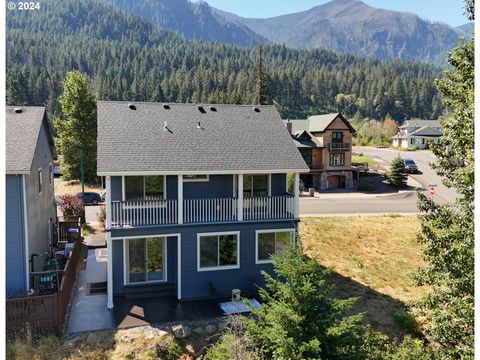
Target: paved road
x=403, y=203
x=423, y=159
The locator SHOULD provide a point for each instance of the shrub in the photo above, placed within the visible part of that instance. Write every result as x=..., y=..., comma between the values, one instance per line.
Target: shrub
x=365, y=186
x=72, y=205
x=291, y=182
x=299, y=319
x=405, y=323
x=102, y=215
x=396, y=175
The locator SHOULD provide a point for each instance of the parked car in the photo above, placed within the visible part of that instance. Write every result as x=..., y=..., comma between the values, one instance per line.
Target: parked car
x=410, y=166
x=56, y=170
x=92, y=198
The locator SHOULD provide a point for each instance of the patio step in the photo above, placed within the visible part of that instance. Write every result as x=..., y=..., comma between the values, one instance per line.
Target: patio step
x=149, y=291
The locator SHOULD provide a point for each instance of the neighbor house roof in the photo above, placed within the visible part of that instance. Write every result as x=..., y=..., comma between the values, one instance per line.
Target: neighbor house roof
x=316, y=123
x=22, y=131
x=424, y=131
x=306, y=139
x=420, y=123
x=184, y=138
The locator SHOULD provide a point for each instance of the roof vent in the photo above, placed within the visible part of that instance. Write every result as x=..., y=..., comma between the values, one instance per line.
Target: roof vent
x=132, y=106
x=201, y=109
x=199, y=126
x=166, y=106
x=18, y=110
x=213, y=108
x=256, y=109
x=165, y=126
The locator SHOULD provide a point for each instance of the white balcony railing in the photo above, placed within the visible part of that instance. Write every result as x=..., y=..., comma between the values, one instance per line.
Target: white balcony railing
x=196, y=211
x=209, y=210
x=269, y=207
x=144, y=213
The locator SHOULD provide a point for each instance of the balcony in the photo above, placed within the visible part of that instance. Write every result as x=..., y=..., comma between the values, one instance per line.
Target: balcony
x=126, y=214
x=339, y=146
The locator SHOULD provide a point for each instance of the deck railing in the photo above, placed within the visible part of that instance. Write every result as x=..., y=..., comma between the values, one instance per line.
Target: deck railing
x=339, y=146
x=196, y=211
x=268, y=207
x=144, y=213
x=209, y=210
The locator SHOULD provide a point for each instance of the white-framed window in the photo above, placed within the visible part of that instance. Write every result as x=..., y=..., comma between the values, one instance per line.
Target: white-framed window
x=196, y=178
x=271, y=242
x=337, y=159
x=218, y=251
x=40, y=181
x=141, y=188
x=50, y=173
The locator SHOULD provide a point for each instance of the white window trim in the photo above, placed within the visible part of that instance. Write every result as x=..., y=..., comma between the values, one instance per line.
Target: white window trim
x=126, y=263
x=50, y=174
x=133, y=206
x=215, y=268
x=197, y=180
x=268, y=231
x=40, y=180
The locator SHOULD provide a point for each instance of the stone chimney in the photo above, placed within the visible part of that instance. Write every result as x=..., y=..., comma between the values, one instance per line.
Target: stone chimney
x=288, y=125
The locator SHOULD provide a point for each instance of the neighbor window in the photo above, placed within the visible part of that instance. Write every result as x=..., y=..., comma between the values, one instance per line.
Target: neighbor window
x=193, y=178
x=218, y=251
x=40, y=182
x=337, y=137
x=144, y=188
x=50, y=173
x=337, y=159
x=270, y=243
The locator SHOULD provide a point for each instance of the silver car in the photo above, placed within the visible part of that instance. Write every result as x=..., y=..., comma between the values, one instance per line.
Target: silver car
x=410, y=166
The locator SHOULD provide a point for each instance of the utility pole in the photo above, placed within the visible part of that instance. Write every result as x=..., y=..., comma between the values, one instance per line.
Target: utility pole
x=82, y=176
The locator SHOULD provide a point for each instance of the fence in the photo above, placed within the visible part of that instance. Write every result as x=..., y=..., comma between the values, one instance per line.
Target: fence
x=46, y=312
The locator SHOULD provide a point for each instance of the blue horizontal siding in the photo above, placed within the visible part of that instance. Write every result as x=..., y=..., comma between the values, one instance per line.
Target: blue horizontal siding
x=195, y=284
x=15, y=236
x=218, y=186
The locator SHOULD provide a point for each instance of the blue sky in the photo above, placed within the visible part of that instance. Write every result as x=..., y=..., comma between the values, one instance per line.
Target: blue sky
x=447, y=11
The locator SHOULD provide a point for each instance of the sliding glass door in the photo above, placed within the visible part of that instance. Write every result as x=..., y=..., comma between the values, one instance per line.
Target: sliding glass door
x=146, y=260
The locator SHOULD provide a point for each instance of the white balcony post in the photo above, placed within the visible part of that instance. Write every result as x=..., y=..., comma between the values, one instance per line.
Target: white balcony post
x=180, y=198
x=296, y=191
x=108, y=202
x=240, y=198
x=109, y=270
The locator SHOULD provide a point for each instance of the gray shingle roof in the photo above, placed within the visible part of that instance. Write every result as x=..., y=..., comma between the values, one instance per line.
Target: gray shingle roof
x=22, y=130
x=423, y=131
x=420, y=123
x=232, y=138
x=316, y=123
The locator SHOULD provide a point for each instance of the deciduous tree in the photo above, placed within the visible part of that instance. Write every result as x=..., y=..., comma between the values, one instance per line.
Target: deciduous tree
x=76, y=129
x=447, y=230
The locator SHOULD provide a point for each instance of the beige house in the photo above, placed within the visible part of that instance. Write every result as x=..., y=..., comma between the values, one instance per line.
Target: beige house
x=417, y=133
x=325, y=142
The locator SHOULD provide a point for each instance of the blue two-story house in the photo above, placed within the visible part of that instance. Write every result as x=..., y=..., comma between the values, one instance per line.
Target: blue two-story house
x=30, y=203
x=196, y=196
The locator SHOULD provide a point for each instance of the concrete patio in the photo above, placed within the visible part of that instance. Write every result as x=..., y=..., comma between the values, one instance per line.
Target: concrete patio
x=89, y=312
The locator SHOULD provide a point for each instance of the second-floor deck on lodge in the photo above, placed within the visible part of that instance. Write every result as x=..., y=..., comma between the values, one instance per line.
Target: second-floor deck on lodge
x=168, y=164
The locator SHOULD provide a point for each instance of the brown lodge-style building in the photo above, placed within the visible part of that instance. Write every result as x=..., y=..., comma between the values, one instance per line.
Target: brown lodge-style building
x=325, y=142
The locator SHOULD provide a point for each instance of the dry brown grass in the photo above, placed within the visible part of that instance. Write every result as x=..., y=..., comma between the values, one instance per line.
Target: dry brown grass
x=379, y=252
x=107, y=345
x=373, y=258
x=71, y=187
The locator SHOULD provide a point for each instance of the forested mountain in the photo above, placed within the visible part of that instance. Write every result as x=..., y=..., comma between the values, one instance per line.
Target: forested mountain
x=466, y=29
x=128, y=58
x=351, y=26
x=193, y=20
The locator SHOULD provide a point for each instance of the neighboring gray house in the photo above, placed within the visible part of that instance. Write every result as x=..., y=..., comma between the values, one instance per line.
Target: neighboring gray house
x=30, y=203
x=196, y=196
x=417, y=133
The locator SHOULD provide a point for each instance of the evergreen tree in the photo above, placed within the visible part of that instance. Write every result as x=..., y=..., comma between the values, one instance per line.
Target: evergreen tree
x=262, y=94
x=396, y=175
x=447, y=230
x=299, y=319
x=76, y=130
